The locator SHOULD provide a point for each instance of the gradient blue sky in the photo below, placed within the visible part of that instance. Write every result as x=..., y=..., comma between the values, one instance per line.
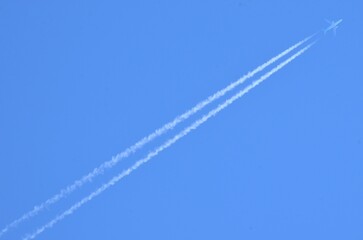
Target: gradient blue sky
x=82, y=80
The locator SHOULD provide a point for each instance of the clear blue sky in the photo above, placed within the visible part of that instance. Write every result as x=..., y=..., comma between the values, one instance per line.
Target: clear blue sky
x=82, y=80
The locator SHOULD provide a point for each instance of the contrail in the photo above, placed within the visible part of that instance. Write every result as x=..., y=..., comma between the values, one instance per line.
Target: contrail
x=168, y=126
x=164, y=146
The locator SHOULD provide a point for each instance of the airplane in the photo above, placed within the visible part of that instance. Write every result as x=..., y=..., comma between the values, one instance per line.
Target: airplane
x=333, y=26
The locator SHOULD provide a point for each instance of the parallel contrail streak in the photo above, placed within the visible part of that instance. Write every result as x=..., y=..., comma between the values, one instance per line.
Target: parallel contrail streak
x=168, y=126
x=164, y=146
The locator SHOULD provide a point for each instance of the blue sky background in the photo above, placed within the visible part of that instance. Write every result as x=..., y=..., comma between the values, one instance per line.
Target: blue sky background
x=82, y=80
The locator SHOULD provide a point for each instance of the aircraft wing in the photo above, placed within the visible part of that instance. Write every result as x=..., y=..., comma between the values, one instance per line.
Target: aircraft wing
x=335, y=30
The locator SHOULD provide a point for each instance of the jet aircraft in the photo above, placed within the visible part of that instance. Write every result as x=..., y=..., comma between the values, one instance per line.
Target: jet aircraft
x=333, y=26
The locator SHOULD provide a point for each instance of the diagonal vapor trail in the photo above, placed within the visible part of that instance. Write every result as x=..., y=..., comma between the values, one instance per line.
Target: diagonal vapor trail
x=164, y=146
x=168, y=126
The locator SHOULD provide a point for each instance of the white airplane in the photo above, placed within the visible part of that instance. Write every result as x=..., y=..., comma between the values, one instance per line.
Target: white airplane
x=333, y=26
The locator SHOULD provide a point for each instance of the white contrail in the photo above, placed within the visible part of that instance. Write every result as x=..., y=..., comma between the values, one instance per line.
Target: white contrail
x=164, y=146
x=168, y=126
